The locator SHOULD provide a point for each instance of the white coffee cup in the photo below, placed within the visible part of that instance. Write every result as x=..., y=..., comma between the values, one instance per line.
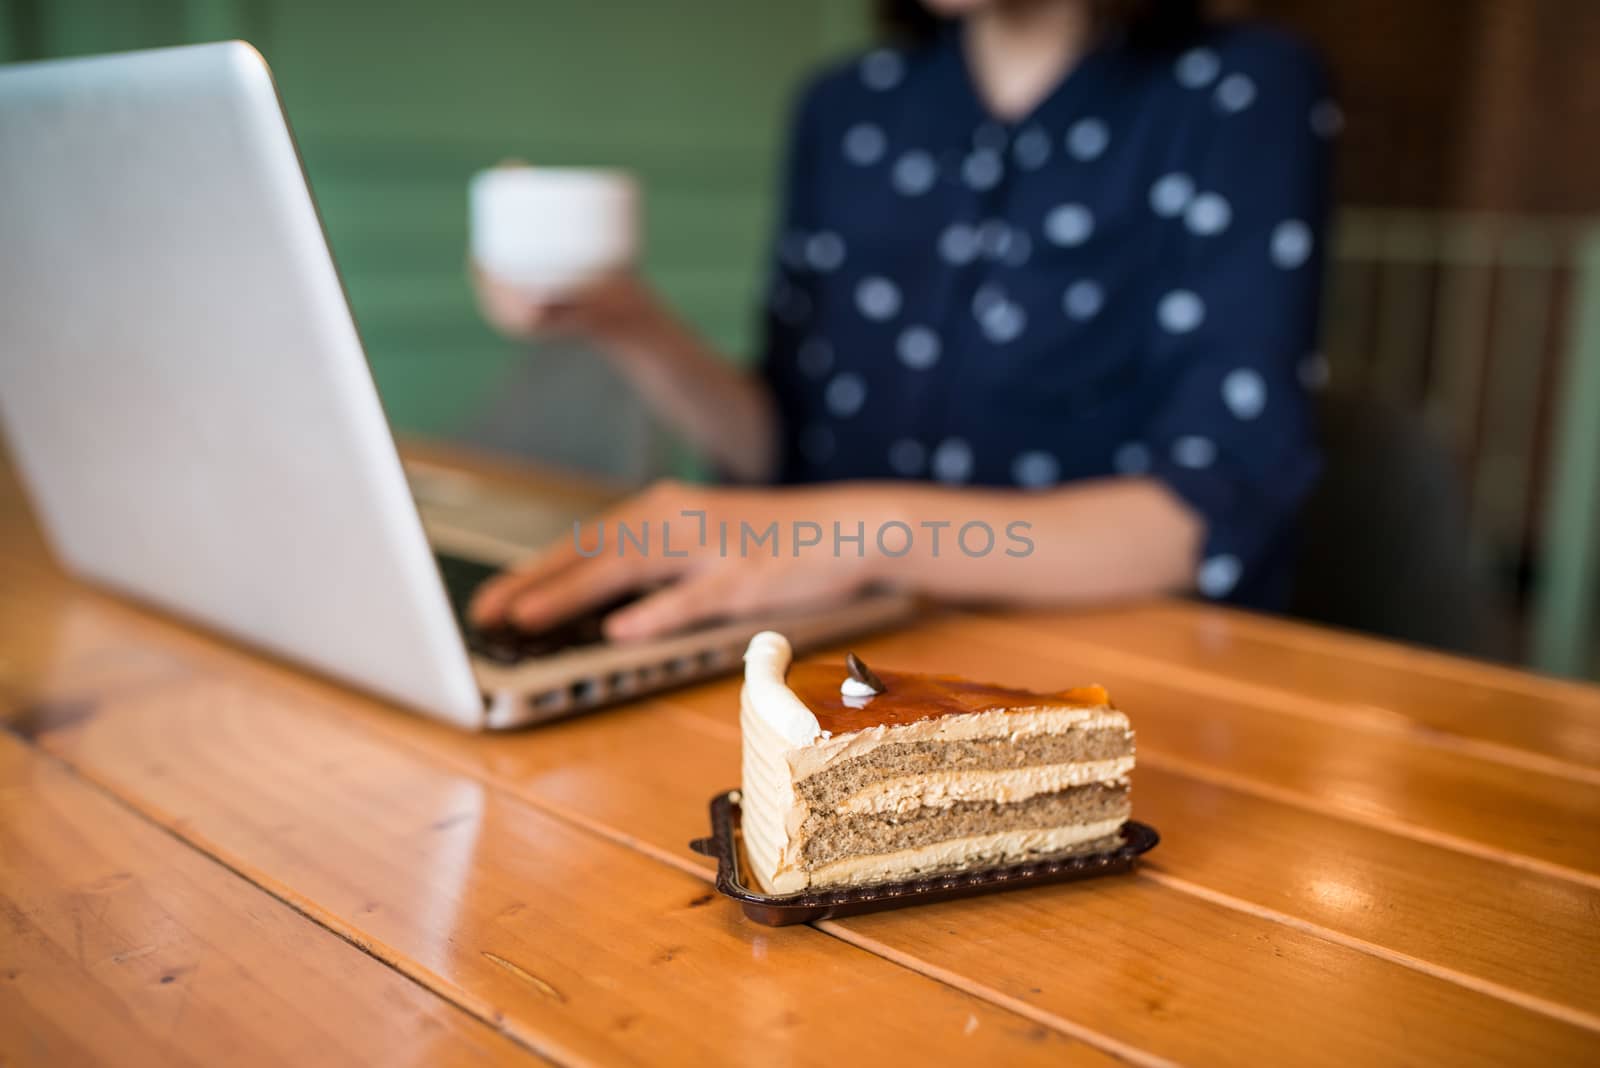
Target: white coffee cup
x=549, y=229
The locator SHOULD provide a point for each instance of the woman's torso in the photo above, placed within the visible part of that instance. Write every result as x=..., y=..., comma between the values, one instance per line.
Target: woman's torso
x=1000, y=303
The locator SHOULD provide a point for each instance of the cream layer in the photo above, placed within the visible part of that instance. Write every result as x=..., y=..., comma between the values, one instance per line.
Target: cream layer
x=1005, y=847
x=941, y=789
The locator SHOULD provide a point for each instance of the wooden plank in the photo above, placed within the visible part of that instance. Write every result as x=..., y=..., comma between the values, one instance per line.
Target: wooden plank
x=1367, y=651
x=580, y=948
x=1520, y=935
x=424, y=867
x=1525, y=936
x=1535, y=955
x=602, y=780
x=1231, y=653
x=1198, y=983
x=1521, y=816
x=124, y=946
x=607, y=772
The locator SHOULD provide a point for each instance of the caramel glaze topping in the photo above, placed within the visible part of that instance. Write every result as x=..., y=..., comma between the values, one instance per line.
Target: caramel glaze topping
x=911, y=698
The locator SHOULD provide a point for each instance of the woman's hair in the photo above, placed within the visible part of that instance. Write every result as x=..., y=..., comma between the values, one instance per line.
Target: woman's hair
x=1142, y=23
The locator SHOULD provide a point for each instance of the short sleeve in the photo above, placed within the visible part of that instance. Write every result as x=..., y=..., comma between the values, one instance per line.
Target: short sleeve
x=1236, y=318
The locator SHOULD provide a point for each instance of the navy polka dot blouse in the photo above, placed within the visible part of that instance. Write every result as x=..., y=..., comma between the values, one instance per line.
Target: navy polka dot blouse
x=1124, y=282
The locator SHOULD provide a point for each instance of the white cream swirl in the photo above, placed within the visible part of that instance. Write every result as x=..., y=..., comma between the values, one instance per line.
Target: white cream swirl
x=766, y=663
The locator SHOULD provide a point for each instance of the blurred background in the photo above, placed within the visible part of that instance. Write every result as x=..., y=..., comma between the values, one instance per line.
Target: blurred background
x=1461, y=507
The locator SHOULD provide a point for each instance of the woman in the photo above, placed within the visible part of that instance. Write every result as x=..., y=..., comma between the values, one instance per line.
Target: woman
x=1054, y=262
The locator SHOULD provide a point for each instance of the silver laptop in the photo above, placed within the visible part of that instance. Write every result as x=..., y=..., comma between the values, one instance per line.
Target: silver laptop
x=184, y=392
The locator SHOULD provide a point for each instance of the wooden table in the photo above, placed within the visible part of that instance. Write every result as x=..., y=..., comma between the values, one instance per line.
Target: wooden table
x=1371, y=854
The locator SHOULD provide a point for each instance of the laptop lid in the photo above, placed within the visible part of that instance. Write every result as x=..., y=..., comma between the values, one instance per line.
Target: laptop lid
x=181, y=383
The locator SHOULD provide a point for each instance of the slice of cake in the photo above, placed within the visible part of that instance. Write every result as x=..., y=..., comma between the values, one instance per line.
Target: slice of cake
x=852, y=777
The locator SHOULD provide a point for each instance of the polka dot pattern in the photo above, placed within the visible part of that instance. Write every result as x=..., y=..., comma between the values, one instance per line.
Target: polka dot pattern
x=914, y=173
x=907, y=457
x=918, y=347
x=825, y=251
x=1208, y=214
x=1083, y=300
x=877, y=298
x=846, y=394
x=1235, y=93
x=1131, y=458
x=1180, y=312
x=958, y=244
x=1068, y=225
x=1170, y=194
x=982, y=169
x=1031, y=149
x=1197, y=68
x=1035, y=470
x=1194, y=452
x=948, y=300
x=953, y=461
x=1218, y=575
x=882, y=70
x=1003, y=322
x=865, y=144
x=987, y=297
x=994, y=237
x=1291, y=244
x=1087, y=139
x=1244, y=391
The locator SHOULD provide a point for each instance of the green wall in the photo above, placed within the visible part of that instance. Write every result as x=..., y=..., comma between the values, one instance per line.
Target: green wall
x=396, y=104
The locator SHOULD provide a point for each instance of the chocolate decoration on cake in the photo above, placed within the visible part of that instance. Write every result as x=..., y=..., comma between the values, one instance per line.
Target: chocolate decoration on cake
x=863, y=674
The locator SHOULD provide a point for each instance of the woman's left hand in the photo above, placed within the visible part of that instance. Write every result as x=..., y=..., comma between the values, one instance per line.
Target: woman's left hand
x=676, y=538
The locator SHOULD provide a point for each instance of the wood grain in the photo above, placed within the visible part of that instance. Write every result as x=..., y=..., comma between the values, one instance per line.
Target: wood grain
x=122, y=945
x=581, y=948
x=625, y=788
x=1520, y=934
x=1198, y=983
x=608, y=773
x=1542, y=822
x=1408, y=878
x=1353, y=683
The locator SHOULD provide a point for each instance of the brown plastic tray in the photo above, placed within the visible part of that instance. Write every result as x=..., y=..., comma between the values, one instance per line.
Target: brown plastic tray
x=725, y=846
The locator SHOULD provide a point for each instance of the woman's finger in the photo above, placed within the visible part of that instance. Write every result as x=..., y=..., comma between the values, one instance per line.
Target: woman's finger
x=491, y=599
x=492, y=604
x=585, y=584
x=696, y=598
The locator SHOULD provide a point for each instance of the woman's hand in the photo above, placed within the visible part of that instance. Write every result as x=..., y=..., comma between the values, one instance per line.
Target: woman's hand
x=681, y=531
x=617, y=312
x=722, y=410
x=1089, y=542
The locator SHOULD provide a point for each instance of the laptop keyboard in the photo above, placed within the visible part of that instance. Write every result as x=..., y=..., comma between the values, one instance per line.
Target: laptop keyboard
x=507, y=645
